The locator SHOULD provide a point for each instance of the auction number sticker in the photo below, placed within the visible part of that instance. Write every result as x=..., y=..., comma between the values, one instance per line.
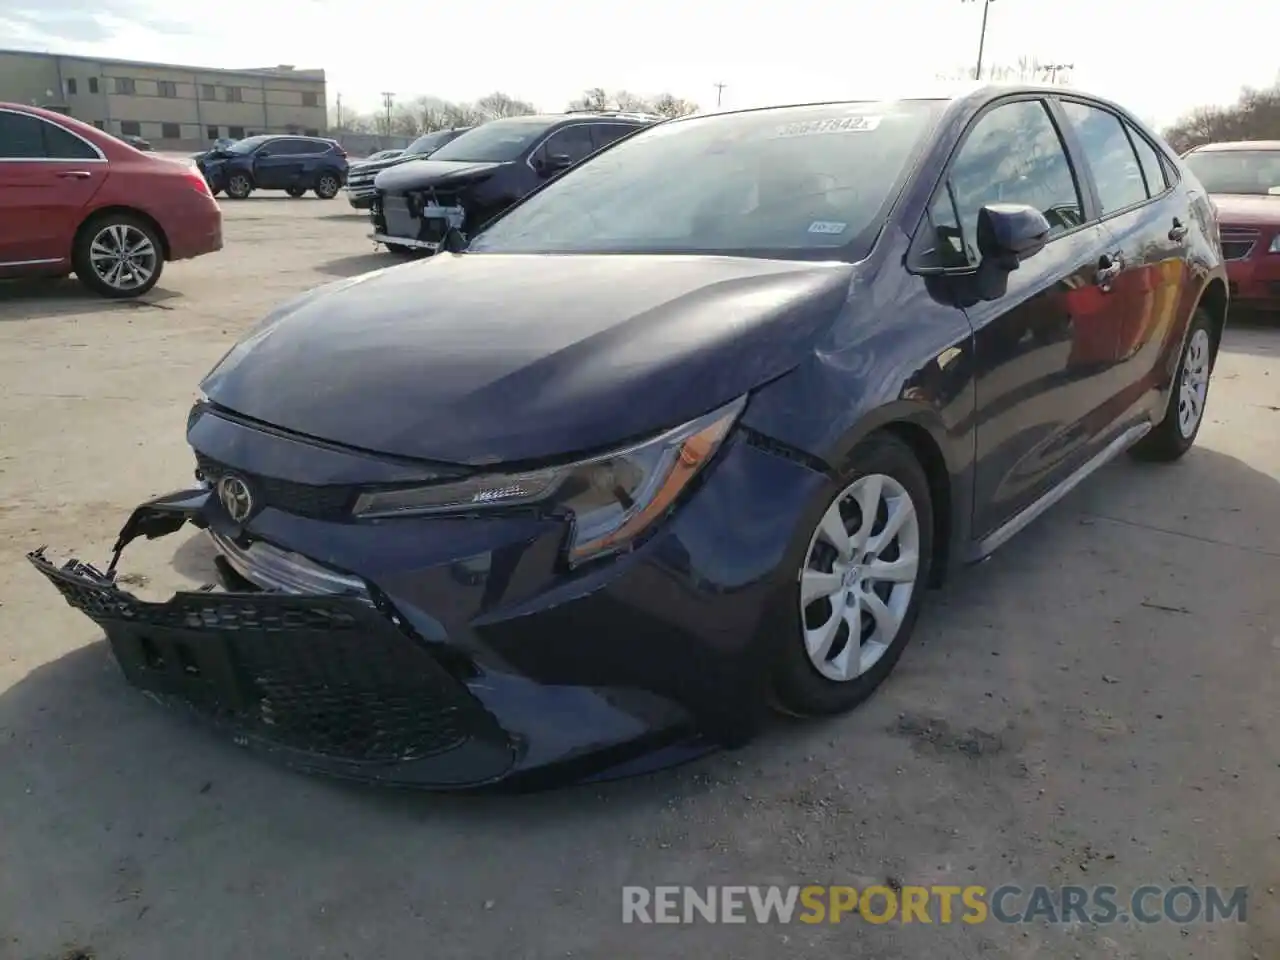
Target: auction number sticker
x=858, y=123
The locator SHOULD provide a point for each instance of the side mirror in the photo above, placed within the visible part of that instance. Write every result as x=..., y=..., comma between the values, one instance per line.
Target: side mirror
x=1009, y=233
x=558, y=161
x=264, y=152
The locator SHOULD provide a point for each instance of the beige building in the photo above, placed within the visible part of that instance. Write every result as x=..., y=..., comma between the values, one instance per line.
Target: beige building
x=174, y=107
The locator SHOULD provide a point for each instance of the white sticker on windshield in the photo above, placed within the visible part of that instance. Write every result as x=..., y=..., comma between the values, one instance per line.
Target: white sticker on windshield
x=827, y=226
x=859, y=123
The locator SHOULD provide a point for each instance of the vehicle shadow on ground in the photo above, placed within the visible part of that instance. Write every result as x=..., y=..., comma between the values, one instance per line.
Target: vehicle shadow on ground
x=103, y=789
x=350, y=215
x=1257, y=334
x=359, y=263
x=37, y=299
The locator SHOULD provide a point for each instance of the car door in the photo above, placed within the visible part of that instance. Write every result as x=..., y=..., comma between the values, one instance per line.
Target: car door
x=563, y=149
x=1147, y=230
x=48, y=175
x=1038, y=408
x=276, y=165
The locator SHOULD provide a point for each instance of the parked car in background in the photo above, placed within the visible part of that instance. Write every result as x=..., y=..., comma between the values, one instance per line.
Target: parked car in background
x=1244, y=180
x=137, y=142
x=382, y=155
x=685, y=433
x=469, y=181
x=273, y=162
x=360, y=189
x=73, y=198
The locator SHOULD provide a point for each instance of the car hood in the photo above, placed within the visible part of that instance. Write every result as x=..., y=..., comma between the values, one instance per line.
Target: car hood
x=486, y=358
x=373, y=166
x=1246, y=209
x=416, y=174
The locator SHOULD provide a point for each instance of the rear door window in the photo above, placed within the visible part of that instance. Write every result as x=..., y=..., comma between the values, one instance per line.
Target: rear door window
x=1106, y=146
x=573, y=142
x=1149, y=161
x=21, y=137
x=605, y=133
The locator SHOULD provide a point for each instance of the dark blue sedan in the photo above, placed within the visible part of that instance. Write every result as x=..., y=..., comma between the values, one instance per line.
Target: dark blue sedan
x=685, y=434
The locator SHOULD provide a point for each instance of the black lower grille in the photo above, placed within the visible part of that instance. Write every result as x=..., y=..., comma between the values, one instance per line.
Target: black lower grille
x=303, y=499
x=328, y=676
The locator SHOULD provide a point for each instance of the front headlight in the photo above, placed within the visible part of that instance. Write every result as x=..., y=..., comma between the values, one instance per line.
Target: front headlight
x=611, y=499
x=1275, y=244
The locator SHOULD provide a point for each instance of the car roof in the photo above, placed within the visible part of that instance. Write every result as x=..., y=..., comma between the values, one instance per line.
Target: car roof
x=1234, y=145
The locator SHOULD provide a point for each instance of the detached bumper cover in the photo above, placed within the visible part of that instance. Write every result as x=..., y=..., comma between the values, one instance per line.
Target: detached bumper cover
x=333, y=684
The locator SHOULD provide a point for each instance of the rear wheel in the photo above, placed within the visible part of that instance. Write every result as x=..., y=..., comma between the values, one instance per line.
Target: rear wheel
x=399, y=250
x=328, y=185
x=296, y=192
x=1176, y=433
x=239, y=186
x=849, y=615
x=118, y=256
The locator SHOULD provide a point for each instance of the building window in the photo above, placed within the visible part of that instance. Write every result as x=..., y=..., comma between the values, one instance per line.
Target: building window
x=125, y=85
x=93, y=84
x=171, y=131
x=208, y=91
x=235, y=133
x=71, y=86
x=311, y=132
x=310, y=99
x=235, y=95
x=168, y=88
x=130, y=128
x=211, y=132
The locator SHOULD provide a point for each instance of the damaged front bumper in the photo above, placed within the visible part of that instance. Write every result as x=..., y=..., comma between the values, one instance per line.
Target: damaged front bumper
x=332, y=682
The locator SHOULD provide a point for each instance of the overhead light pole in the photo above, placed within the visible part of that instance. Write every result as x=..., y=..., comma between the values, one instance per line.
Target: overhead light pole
x=719, y=90
x=982, y=37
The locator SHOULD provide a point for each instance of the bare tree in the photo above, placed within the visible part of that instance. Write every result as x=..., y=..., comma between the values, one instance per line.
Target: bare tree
x=498, y=104
x=1254, y=116
x=593, y=99
x=666, y=104
x=669, y=105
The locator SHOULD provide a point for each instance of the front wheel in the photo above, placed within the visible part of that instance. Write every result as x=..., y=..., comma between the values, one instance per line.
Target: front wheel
x=327, y=186
x=118, y=256
x=1174, y=435
x=846, y=619
x=239, y=186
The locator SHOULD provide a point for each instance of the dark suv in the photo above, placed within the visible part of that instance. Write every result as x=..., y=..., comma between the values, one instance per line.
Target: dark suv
x=292, y=164
x=360, y=189
x=468, y=182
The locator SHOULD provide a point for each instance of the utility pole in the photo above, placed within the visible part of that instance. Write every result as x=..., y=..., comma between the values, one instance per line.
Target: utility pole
x=388, y=100
x=982, y=37
x=1053, y=68
x=719, y=90
x=339, y=111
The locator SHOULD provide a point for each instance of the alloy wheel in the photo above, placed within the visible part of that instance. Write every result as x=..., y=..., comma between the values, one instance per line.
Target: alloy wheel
x=123, y=256
x=858, y=577
x=327, y=187
x=1194, y=387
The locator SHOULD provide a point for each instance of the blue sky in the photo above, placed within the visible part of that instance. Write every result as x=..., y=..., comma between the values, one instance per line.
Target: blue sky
x=1157, y=58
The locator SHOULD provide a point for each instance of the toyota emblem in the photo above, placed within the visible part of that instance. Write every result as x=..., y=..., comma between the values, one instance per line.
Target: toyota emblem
x=236, y=498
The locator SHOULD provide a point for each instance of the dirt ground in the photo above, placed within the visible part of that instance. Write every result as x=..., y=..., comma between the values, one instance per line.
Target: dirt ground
x=1095, y=705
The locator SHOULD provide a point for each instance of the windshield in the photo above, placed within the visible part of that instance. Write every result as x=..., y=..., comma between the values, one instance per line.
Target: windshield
x=495, y=142
x=807, y=182
x=1237, y=171
x=247, y=145
x=428, y=142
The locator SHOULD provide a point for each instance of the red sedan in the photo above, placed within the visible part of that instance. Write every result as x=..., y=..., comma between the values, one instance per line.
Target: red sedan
x=73, y=198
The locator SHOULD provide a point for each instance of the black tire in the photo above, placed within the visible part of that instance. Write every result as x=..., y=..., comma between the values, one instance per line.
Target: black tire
x=328, y=184
x=1172, y=437
x=214, y=191
x=296, y=192
x=99, y=231
x=798, y=687
x=239, y=186
x=400, y=250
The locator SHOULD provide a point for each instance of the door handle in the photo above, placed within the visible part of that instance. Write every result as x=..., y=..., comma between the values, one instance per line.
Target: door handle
x=75, y=174
x=1109, y=267
x=1178, y=232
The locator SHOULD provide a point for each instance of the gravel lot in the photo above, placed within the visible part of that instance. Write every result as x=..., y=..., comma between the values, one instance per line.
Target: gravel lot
x=1094, y=705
